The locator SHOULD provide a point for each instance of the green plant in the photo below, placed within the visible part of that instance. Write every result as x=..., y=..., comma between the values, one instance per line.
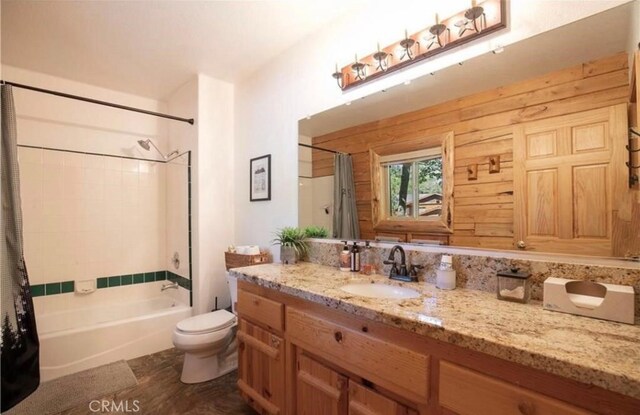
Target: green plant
x=293, y=237
x=316, y=232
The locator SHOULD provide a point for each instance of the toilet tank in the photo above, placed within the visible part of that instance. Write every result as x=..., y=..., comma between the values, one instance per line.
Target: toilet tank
x=233, y=290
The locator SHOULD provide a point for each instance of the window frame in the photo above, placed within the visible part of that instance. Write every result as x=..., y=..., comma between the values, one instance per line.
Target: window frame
x=440, y=145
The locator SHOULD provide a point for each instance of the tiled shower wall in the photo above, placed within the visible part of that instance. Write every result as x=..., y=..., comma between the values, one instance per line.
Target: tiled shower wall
x=91, y=216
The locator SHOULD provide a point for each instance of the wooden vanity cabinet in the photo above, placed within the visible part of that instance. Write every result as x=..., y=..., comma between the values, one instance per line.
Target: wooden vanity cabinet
x=301, y=358
x=261, y=353
x=319, y=390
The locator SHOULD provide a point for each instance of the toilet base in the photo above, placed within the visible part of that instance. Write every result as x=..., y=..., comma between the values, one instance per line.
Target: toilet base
x=198, y=368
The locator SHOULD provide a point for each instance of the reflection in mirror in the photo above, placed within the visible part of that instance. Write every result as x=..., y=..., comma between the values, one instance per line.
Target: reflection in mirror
x=409, y=181
x=536, y=155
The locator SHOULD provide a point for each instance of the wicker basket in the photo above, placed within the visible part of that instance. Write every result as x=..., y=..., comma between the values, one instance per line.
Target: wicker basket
x=233, y=260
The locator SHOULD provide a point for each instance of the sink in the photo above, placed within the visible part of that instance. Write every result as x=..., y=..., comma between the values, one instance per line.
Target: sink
x=380, y=291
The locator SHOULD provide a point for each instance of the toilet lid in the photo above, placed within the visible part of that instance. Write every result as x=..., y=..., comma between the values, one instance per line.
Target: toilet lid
x=207, y=322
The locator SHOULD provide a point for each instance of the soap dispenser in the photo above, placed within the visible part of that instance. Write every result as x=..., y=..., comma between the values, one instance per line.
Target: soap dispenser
x=355, y=258
x=366, y=261
x=345, y=258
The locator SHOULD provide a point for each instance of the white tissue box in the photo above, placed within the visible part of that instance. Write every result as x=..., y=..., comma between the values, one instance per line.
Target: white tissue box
x=590, y=299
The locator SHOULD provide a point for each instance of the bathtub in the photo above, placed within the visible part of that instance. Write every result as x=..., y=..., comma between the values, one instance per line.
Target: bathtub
x=84, y=331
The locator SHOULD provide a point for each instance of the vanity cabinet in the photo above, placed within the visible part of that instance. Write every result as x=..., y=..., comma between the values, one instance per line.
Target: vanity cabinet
x=261, y=353
x=261, y=368
x=302, y=358
x=319, y=390
x=364, y=401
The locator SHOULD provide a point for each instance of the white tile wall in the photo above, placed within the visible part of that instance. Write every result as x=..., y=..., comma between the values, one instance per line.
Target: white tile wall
x=89, y=216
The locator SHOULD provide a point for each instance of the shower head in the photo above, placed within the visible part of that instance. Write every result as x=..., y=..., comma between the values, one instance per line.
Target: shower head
x=145, y=144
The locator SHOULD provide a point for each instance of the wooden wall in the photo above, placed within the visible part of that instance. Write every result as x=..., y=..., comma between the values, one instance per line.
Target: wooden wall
x=482, y=124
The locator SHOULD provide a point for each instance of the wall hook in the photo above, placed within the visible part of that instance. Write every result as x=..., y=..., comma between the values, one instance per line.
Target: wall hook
x=494, y=164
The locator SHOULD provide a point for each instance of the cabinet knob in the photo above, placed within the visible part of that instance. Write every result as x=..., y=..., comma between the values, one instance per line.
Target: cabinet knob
x=521, y=245
x=526, y=408
x=338, y=336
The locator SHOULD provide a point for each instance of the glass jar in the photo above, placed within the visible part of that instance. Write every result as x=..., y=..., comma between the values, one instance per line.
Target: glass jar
x=513, y=285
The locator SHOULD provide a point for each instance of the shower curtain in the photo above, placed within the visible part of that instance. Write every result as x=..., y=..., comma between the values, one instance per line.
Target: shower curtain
x=345, y=215
x=20, y=346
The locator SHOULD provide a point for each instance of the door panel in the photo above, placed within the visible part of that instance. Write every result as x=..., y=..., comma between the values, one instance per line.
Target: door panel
x=319, y=390
x=542, y=194
x=261, y=368
x=568, y=182
x=591, y=194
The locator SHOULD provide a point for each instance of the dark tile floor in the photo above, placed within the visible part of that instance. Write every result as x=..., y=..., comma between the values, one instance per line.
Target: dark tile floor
x=159, y=391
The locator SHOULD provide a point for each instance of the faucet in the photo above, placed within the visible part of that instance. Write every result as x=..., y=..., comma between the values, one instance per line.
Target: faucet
x=173, y=285
x=401, y=274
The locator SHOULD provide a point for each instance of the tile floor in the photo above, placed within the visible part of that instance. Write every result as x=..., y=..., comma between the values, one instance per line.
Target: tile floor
x=160, y=392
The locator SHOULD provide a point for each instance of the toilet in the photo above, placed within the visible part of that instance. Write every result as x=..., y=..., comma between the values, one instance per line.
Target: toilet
x=208, y=342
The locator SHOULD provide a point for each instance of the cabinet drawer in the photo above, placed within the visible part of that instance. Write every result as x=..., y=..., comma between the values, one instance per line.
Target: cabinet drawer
x=465, y=391
x=261, y=310
x=364, y=401
x=392, y=367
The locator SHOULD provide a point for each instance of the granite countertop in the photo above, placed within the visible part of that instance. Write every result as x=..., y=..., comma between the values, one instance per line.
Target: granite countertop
x=602, y=353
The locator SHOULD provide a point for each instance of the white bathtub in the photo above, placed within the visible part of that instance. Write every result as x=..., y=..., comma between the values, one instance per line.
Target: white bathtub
x=78, y=332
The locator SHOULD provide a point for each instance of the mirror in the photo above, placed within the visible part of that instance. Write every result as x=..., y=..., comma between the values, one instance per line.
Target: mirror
x=536, y=154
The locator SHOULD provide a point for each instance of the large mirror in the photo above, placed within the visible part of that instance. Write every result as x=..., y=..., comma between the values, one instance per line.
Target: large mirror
x=521, y=149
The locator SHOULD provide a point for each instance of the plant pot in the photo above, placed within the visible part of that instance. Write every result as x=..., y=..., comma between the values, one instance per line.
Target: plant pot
x=288, y=255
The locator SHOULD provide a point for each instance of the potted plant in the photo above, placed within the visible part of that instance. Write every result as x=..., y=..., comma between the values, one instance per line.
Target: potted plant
x=293, y=244
x=316, y=232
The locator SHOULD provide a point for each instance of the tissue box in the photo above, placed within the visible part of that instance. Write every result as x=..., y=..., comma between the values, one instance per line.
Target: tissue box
x=590, y=299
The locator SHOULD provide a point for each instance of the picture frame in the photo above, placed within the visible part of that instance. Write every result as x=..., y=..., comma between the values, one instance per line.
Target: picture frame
x=260, y=178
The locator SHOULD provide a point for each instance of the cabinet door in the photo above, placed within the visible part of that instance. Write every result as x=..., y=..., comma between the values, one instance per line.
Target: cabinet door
x=364, y=401
x=261, y=368
x=570, y=181
x=319, y=390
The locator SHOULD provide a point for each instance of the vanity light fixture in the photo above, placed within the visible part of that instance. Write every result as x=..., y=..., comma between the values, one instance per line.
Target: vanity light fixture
x=337, y=75
x=407, y=45
x=484, y=17
x=381, y=57
x=359, y=69
x=474, y=14
x=435, y=33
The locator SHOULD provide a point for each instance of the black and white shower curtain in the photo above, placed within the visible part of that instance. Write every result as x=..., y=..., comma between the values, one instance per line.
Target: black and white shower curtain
x=20, y=346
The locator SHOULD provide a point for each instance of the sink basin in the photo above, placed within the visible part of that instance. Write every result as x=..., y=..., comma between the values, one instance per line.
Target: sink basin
x=380, y=291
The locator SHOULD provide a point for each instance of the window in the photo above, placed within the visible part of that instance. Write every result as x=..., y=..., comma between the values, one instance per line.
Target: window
x=413, y=191
x=414, y=188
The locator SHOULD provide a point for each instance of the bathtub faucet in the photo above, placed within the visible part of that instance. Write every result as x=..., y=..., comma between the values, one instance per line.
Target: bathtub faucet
x=173, y=285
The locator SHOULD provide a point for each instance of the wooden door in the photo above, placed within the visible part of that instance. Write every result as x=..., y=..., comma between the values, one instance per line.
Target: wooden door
x=261, y=368
x=319, y=390
x=364, y=401
x=570, y=182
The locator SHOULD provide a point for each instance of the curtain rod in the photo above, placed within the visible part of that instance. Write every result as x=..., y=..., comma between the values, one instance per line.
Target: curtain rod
x=323, y=149
x=95, y=101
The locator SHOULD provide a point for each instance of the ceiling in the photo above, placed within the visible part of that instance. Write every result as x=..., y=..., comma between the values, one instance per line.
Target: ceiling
x=601, y=35
x=150, y=48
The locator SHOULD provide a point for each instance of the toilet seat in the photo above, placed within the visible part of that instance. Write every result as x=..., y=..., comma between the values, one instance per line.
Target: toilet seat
x=206, y=323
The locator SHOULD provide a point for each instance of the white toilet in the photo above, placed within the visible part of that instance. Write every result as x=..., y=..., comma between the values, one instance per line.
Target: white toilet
x=208, y=341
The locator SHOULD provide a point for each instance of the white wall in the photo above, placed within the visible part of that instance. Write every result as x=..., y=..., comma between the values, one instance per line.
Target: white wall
x=212, y=181
x=298, y=83
x=50, y=121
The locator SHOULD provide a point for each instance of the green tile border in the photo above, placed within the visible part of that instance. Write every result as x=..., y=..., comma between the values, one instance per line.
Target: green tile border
x=64, y=287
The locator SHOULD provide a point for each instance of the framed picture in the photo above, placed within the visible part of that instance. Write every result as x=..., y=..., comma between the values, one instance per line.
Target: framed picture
x=260, y=178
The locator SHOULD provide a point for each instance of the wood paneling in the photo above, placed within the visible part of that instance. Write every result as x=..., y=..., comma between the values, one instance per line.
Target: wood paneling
x=483, y=126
